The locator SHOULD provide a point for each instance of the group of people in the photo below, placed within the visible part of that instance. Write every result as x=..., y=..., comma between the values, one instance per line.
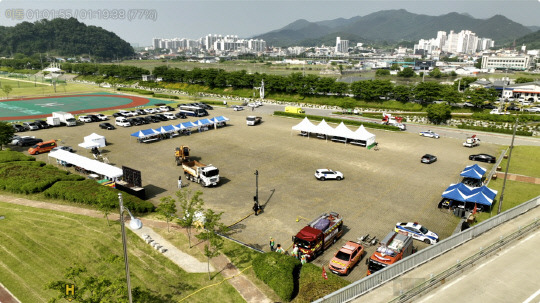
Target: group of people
x=295, y=252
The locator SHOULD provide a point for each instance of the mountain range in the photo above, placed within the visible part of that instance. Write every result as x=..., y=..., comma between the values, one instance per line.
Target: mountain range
x=393, y=26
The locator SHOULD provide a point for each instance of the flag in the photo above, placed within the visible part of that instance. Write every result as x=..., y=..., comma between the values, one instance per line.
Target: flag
x=474, y=210
x=324, y=273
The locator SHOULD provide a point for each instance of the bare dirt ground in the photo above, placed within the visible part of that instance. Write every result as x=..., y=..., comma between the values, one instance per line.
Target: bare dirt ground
x=380, y=187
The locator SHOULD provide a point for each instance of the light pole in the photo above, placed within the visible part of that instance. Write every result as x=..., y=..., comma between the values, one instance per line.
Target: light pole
x=256, y=198
x=507, y=165
x=133, y=224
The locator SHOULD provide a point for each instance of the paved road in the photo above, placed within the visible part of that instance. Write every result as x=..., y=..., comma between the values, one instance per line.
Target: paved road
x=462, y=134
x=510, y=276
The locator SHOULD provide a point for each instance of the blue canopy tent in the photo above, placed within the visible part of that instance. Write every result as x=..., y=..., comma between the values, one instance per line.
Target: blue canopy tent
x=145, y=133
x=189, y=124
x=167, y=129
x=463, y=193
x=480, y=198
x=473, y=171
x=221, y=119
x=204, y=122
x=455, y=194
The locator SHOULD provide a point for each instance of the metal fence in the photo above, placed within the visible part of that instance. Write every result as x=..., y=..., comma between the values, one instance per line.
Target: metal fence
x=377, y=279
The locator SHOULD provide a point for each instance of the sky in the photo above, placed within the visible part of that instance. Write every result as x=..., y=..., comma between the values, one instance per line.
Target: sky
x=139, y=21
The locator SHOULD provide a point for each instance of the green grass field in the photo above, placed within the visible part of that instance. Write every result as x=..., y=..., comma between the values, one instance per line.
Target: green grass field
x=525, y=161
x=37, y=245
x=29, y=90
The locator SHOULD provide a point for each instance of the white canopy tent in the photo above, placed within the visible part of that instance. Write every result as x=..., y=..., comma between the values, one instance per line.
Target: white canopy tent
x=325, y=129
x=305, y=126
x=343, y=131
x=93, y=140
x=362, y=134
x=100, y=168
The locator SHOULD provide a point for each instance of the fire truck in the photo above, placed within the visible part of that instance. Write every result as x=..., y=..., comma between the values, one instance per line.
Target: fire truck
x=319, y=234
x=394, y=247
x=388, y=119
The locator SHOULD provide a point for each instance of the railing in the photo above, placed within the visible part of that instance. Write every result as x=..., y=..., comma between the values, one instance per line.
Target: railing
x=377, y=279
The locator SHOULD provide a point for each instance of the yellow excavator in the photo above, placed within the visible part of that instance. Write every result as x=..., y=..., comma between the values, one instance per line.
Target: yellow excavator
x=181, y=154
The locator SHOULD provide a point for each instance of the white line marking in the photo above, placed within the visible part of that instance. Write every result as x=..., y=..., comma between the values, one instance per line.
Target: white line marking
x=529, y=299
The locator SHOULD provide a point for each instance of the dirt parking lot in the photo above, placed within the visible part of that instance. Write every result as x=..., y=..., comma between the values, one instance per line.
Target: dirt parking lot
x=380, y=187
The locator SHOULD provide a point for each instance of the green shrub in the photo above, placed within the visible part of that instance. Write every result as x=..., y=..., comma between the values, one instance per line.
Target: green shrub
x=30, y=176
x=90, y=192
x=11, y=156
x=505, y=118
x=337, y=120
x=279, y=272
x=165, y=96
x=495, y=130
x=312, y=286
x=136, y=90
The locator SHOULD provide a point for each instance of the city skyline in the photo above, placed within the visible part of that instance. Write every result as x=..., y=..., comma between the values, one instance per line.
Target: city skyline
x=139, y=21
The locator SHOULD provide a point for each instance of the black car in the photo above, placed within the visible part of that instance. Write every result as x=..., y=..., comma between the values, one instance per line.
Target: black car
x=205, y=106
x=106, y=125
x=170, y=108
x=116, y=115
x=428, y=159
x=147, y=119
x=154, y=119
x=41, y=124
x=489, y=106
x=27, y=141
x=94, y=118
x=181, y=115
x=134, y=121
x=18, y=127
x=141, y=120
x=162, y=117
x=140, y=112
x=513, y=107
x=483, y=158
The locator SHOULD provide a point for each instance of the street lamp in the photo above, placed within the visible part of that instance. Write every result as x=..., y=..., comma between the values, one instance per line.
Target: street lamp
x=507, y=166
x=134, y=224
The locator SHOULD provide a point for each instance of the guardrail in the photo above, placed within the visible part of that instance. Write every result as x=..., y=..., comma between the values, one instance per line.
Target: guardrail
x=368, y=283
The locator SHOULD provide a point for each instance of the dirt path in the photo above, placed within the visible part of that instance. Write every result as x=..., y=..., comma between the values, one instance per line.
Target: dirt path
x=244, y=286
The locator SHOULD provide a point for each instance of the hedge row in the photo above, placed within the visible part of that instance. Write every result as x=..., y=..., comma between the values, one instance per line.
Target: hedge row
x=8, y=156
x=312, y=286
x=495, y=130
x=279, y=272
x=165, y=96
x=505, y=118
x=337, y=120
x=90, y=192
x=31, y=176
x=212, y=102
x=136, y=90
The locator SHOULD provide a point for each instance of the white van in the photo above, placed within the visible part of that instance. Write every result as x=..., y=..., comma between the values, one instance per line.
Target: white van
x=169, y=116
x=122, y=121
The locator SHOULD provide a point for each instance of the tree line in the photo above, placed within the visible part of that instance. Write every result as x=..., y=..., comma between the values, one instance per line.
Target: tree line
x=126, y=72
x=313, y=85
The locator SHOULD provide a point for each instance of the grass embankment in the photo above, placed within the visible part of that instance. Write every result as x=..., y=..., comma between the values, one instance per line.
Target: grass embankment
x=525, y=161
x=37, y=245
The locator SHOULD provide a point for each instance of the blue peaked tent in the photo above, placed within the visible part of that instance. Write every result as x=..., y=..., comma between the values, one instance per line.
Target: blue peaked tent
x=473, y=171
x=189, y=124
x=145, y=133
x=203, y=122
x=463, y=193
x=220, y=119
x=167, y=129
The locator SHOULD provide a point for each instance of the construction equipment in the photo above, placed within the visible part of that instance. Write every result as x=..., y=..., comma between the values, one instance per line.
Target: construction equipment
x=394, y=247
x=206, y=175
x=181, y=154
x=319, y=234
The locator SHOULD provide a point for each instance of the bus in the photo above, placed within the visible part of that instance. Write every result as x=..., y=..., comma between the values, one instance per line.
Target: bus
x=194, y=111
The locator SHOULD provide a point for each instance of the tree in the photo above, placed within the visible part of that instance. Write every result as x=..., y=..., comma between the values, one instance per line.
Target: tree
x=436, y=73
x=6, y=133
x=407, y=72
x=449, y=93
x=190, y=207
x=428, y=91
x=214, y=244
x=105, y=206
x=524, y=80
x=438, y=113
x=7, y=89
x=382, y=72
x=394, y=66
x=167, y=209
x=347, y=104
x=402, y=93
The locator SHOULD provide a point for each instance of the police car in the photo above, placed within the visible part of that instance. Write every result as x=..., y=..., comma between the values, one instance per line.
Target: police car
x=324, y=174
x=418, y=232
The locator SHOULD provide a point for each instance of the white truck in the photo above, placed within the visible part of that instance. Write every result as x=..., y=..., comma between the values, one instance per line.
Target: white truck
x=53, y=121
x=206, y=175
x=252, y=120
x=65, y=118
x=472, y=142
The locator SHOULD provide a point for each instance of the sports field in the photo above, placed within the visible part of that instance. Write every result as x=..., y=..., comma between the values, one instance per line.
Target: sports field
x=32, y=108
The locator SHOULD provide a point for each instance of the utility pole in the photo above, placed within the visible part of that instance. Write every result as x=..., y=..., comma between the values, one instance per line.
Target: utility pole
x=256, y=198
x=507, y=165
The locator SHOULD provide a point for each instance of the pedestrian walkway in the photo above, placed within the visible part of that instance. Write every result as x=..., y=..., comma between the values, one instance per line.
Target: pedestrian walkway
x=520, y=178
x=249, y=291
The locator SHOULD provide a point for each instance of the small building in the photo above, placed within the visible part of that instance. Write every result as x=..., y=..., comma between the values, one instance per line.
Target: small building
x=148, y=77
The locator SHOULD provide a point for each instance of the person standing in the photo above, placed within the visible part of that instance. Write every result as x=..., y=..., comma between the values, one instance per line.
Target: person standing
x=179, y=181
x=294, y=252
x=256, y=208
x=279, y=249
x=272, y=243
x=303, y=259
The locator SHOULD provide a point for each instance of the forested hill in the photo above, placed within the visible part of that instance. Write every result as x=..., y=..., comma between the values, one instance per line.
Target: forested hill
x=63, y=37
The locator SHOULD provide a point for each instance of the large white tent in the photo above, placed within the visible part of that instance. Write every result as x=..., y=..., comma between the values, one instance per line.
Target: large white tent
x=100, y=168
x=359, y=137
x=305, y=126
x=362, y=134
x=325, y=129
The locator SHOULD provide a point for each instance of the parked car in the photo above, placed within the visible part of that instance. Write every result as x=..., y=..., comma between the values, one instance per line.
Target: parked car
x=121, y=121
x=106, y=125
x=430, y=134
x=147, y=119
x=102, y=117
x=489, y=106
x=418, y=232
x=28, y=141
x=42, y=147
x=85, y=119
x=94, y=118
x=206, y=106
x=323, y=174
x=150, y=110
x=237, y=108
x=15, y=139
x=533, y=109
x=41, y=124
x=18, y=127
x=134, y=121
x=483, y=158
x=165, y=108
x=161, y=117
x=428, y=159
x=140, y=112
x=154, y=118
x=66, y=148
x=30, y=126
x=346, y=258
x=180, y=115
x=170, y=116
x=116, y=115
